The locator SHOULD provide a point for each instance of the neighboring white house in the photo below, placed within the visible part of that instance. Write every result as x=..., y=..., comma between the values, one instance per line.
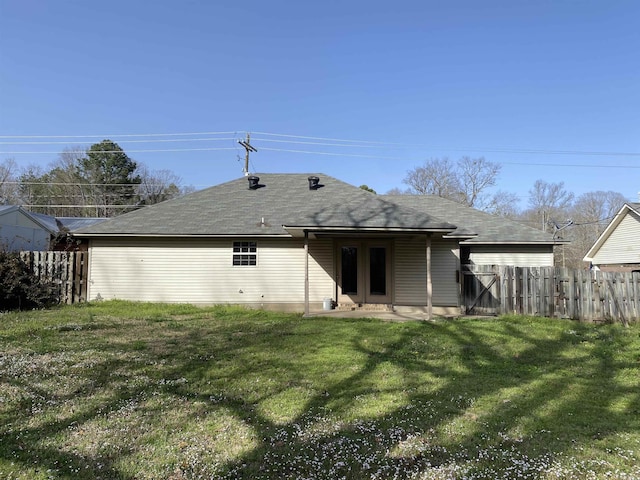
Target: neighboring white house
x=294, y=241
x=618, y=248
x=22, y=230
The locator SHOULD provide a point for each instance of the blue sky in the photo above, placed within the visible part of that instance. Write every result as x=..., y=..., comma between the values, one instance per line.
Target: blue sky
x=549, y=89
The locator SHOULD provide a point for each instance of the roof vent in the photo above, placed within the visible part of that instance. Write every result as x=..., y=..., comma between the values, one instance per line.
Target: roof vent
x=313, y=183
x=253, y=182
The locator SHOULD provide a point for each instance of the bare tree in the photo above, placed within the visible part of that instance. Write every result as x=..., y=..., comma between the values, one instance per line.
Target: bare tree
x=549, y=201
x=476, y=175
x=598, y=207
x=59, y=190
x=464, y=181
x=8, y=182
x=503, y=204
x=436, y=177
x=157, y=185
x=67, y=187
x=397, y=191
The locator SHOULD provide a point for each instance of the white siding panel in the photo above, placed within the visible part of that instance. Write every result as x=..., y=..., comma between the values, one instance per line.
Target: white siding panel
x=517, y=255
x=14, y=238
x=321, y=270
x=411, y=268
x=445, y=257
x=623, y=245
x=19, y=232
x=201, y=271
x=410, y=271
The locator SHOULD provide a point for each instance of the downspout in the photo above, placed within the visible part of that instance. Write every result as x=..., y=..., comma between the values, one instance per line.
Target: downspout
x=429, y=281
x=306, y=273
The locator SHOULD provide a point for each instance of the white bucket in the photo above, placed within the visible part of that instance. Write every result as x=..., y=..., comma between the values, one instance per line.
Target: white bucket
x=327, y=304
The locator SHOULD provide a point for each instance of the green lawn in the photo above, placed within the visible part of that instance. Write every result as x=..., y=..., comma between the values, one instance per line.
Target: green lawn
x=142, y=391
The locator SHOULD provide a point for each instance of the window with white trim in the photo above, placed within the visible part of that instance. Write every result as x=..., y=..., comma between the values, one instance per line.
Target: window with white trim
x=244, y=254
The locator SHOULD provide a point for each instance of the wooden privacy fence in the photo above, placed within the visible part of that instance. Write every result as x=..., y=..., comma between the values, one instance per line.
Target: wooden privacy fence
x=67, y=270
x=552, y=292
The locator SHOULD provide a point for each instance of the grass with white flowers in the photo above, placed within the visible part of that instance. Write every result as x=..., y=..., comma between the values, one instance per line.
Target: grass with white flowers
x=118, y=390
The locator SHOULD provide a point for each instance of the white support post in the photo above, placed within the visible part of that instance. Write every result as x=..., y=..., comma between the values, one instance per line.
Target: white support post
x=429, y=282
x=306, y=273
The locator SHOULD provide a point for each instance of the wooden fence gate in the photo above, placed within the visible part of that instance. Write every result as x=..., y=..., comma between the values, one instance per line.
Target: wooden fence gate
x=67, y=270
x=552, y=292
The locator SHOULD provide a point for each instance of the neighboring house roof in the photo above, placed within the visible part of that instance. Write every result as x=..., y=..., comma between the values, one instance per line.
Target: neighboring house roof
x=627, y=208
x=7, y=208
x=43, y=221
x=480, y=227
x=69, y=224
x=282, y=205
x=51, y=224
x=46, y=221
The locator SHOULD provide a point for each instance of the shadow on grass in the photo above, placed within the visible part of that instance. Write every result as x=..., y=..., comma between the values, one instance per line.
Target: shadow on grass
x=482, y=399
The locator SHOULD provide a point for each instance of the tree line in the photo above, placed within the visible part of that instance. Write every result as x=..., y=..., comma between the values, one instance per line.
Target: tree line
x=101, y=181
x=550, y=206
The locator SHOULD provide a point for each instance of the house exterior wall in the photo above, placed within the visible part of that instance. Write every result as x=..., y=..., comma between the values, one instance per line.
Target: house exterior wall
x=623, y=244
x=18, y=232
x=516, y=255
x=200, y=271
x=411, y=267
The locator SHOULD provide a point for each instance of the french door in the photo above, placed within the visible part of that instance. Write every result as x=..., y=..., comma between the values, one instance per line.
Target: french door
x=364, y=272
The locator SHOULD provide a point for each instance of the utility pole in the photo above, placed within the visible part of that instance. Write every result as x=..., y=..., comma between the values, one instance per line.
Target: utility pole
x=249, y=148
x=558, y=228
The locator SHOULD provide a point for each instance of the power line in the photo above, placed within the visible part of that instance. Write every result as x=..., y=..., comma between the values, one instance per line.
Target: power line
x=463, y=149
x=351, y=143
x=324, y=138
x=334, y=154
x=599, y=222
x=119, y=135
x=130, y=151
x=80, y=184
x=578, y=165
x=216, y=139
x=354, y=145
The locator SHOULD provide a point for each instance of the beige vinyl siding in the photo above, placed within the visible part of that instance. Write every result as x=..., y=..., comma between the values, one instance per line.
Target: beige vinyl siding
x=411, y=267
x=517, y=255
x=201, y=271
x=623, y=245
x=321, y=270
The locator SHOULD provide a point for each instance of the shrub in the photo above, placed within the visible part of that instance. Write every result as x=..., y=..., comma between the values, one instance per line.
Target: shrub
x=20, y=288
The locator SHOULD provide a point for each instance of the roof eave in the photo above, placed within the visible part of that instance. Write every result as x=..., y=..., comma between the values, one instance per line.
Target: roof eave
x=183, y=235
x=298, y=231
x=514, y=242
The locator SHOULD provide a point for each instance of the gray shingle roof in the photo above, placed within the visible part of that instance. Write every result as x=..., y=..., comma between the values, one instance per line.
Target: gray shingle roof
x=488, y=228
x=285, y=200
x=282, y=200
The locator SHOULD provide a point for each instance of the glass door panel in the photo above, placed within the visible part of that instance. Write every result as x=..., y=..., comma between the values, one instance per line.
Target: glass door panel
x=364, y=271
x=377, y=271
x=378, y=274
x=349, y=271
